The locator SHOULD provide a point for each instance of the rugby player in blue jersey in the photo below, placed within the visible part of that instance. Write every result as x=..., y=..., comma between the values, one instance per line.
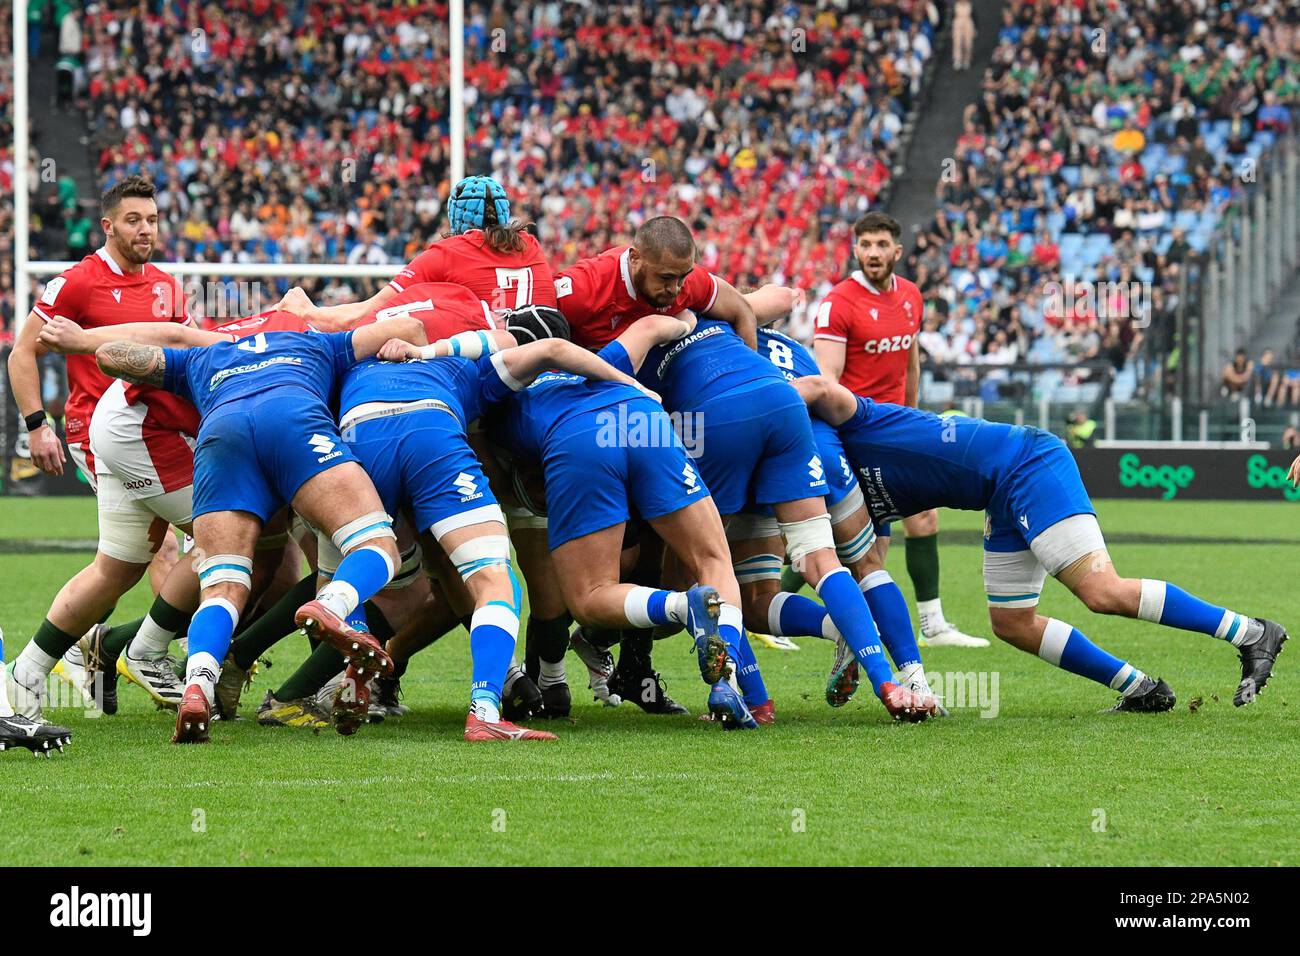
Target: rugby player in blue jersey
x=757, y=551
x=607, y=452
x=407, y=422
x=268, y=439
x=1039, y=521
x=758, y=450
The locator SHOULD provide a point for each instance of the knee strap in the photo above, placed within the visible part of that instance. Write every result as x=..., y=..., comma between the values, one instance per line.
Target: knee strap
x=760, y=567
x=225, y=569
x=856, y=547
x=485, y=551
x=802, y=538
x=368, y=527
x=848, y=505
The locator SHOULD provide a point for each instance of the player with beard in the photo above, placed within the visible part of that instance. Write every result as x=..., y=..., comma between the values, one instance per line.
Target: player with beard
x=601, y=297
x=115, y=285
x=866, y=339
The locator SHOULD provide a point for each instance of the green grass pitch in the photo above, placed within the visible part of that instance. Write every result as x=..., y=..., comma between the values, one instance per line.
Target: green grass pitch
x=1048, y=780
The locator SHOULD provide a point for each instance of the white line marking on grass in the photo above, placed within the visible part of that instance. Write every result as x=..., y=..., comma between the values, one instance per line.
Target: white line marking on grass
x=63, y=787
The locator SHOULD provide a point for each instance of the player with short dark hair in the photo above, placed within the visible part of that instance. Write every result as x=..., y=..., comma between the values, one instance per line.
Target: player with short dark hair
x=866, y=339
x=601, y=297
x=148, y=486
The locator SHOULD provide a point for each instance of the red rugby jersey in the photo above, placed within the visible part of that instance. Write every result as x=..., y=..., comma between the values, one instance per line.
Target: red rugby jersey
x=599, y=300
x=504, y=281
x=96, y=293
x=877, y=328
x=444, y=308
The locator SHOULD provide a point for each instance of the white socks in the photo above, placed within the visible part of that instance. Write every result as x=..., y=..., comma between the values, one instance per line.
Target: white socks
x=150, y=642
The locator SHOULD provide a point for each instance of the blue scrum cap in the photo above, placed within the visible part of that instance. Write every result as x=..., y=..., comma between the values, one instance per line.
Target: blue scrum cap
x=467, y=205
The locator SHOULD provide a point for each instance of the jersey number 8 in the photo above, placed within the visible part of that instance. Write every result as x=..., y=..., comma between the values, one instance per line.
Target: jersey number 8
x=779, y=354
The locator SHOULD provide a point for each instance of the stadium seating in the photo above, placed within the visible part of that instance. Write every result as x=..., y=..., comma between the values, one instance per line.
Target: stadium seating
x=318, y=132
x=1085, y=194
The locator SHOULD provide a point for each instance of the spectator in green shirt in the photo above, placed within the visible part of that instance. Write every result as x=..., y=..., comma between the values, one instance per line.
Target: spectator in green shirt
x=78, y=226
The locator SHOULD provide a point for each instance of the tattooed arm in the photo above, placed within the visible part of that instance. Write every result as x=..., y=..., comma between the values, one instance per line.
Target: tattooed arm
x=137, y=364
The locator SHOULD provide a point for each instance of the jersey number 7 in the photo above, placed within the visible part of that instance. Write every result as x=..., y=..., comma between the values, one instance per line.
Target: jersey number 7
x=521, y=280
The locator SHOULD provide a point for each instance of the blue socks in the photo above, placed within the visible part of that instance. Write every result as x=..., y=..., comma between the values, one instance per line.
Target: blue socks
x=1168, y=604
x=889, y=610
x=494, y=628
x=748, y=677
x=211, y=630
x=1069, y=650
x=848, y=609
x=359, y=577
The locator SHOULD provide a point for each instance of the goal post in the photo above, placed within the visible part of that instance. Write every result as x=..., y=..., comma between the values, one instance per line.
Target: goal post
x=22, y=218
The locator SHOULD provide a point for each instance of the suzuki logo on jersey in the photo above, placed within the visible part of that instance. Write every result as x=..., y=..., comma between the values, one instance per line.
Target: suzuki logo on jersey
x=324, y=447
x=845, y=469
x=895, y=343
x=692, y=480
x=117, y=295
x=815, y=470
x=467, y=486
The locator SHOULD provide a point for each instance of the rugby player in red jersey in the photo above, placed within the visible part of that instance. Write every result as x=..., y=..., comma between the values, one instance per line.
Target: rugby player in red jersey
x=866, y=339
x=146, y=487
x=487, y=252
x=601, y=297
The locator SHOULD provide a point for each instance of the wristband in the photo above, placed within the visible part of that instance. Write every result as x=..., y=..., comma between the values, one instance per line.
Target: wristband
x=35, y=420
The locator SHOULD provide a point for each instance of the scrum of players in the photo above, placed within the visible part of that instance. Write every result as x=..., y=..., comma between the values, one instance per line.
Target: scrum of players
x=478, y=404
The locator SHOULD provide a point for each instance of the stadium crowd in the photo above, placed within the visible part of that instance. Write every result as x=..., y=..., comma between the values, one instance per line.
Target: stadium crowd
x=1091, y=157
x=318, y=132
x=1096, y=157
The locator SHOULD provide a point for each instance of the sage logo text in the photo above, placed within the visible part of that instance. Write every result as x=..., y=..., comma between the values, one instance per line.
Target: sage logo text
x=1260, y=474
x=1132, y=473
